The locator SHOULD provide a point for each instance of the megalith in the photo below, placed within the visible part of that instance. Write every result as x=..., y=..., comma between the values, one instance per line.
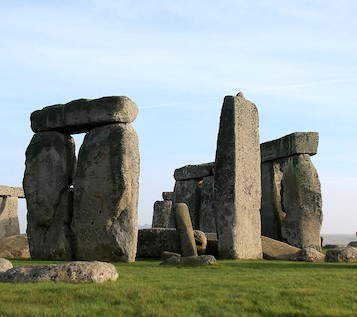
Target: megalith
x=207, y=219
x=106, y=188
x=291, y=191
x=50, y=166
x=163, y=216
x=237, y=181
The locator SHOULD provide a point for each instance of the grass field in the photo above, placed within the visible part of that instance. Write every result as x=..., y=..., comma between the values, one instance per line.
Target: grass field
x=231, y=288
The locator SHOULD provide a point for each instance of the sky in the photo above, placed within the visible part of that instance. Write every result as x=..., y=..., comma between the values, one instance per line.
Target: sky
x=296, y=60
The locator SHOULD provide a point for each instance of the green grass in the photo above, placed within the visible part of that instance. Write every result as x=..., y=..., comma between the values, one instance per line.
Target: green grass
x=231, y=288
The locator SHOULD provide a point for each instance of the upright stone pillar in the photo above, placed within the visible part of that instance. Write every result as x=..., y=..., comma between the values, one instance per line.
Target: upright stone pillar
x=50, y=164
x=106, y=189
x=163, y=216
x=206, y=212
x=237, y=183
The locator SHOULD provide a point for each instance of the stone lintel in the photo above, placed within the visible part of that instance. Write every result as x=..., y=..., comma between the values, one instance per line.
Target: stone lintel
x=82, y=115
x=194, y=171
x=12, y=191
x=292, y=144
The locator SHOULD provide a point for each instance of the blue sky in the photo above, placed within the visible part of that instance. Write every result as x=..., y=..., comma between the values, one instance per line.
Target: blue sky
x=296, y=60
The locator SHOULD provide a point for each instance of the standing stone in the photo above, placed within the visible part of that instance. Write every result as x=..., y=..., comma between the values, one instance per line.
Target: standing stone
x=237, y=183
x=106, y=189
x=9, y=222
x=207, y=218
x=163, y=216
x=50, y=164
x=302, y=201
x=185, y=230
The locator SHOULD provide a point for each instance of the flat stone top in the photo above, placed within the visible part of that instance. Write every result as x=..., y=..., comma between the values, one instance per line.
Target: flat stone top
x=294, y=143
x=194, y=171
x=82, y=115
x=12, y=191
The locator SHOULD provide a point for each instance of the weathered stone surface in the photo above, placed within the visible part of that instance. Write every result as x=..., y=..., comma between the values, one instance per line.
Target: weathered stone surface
x=106, y=189
x=9, y=222
x=194, y=171
x=271, y=210
x=163, y=216
x=207, y=217
x=237, y=194
x=50, y=164
x=189, y=192
x=309, y=255
x=342, y=254
x=5, y=265
x=75, y=272
x=168, y=195
x=167, y=254
x=12, y=191
x=83, y=115
x=302, y=201
x=292, y=144
x=15, y=247
x=200, y=241
x=184, y=230
x=152, y=242
x=352, y=244
x=277, y=250
x=190, y=261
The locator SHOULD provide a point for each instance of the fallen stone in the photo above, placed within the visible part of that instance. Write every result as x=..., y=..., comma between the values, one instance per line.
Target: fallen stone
x=237, y=182
x=168, y=254
x=75, y=272
x=292, y=144
x=333, y=246
x=184, y=230
x=277, y=250
x=342, y=254
x=194, y=171
x=190, y=261
x=309, y=255
x=50, y=165
x=5, y=265
x=12, y=191
x=352, y=244
x=82, y=115
x=106, y=189
x=15, y=247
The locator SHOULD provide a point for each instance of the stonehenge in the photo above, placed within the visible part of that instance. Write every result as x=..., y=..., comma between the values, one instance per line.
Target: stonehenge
x=83, y=209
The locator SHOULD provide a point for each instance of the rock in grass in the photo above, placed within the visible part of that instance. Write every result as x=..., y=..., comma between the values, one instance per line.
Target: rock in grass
x=309, y=255
x=5, y=265
x=74, y=272
x=342, y=254
x=190, y=261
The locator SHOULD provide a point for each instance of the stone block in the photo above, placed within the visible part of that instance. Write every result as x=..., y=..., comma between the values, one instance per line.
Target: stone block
x=106, y=187
x=237, y=183
x=50, y=165
x=292, y=144
x=277, y=250
x=9, y=222
x=83, y=115
x=168, y=195
x=12, y=191
x=207, y=217
x=163, y=216
x=194, y=171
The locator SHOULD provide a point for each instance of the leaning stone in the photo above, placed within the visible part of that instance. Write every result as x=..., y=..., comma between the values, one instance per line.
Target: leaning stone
x=207, y=217
x=82, y=115
x=50, y=165
x=342, y=254
x=106, y=186
x=5, y=265
x=190, y=261
x=277, y=250
x=184, y=230
x=292, y=144
x=352, y=244
x=237, y=183
x=9, y=221
x=162, y=215
x=168, y=254
x=194, y=171
x=12, y=191
x=75, y=272
x=309, y=255
x=15, y=247
x=301, y=196
x=167, y=195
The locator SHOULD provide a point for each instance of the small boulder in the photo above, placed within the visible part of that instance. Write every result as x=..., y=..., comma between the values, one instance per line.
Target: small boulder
x=15, y=247
x=190, y=261
x=352, y=244
x=309, y=255
x=74, y=272
x=5, y=265
x=342, y=254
